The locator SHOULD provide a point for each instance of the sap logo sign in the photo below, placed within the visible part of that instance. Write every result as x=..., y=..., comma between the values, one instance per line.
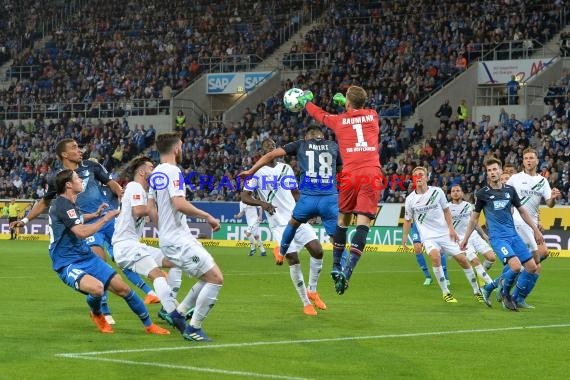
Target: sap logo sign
x=253, y=79
x=499, y=205
x=218, y=83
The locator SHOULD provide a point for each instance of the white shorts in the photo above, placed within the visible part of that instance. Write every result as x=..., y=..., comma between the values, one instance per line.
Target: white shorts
x=253, y=229
x=190, y=256
x=136, y=256
x=476, y=245
x=305, y=233
x=526, y=234
x=443, y=244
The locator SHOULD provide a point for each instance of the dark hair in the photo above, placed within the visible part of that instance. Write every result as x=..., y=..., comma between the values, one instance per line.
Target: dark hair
x=61, y=147
x=61, y=179
x=493, y=160
x=133, y=166
x=166, y=141
x=314, y=130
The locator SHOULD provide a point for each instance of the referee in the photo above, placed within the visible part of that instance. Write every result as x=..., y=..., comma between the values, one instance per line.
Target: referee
x=13, y=211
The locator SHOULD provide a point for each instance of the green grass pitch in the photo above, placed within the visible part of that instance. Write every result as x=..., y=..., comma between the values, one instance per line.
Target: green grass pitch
x=386, y=326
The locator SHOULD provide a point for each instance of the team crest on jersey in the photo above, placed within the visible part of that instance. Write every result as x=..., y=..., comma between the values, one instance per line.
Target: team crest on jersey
x=507, y=195
x=136, y=197
x=72, y=214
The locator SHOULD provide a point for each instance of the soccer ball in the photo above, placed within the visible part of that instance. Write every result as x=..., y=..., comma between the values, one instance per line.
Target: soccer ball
x=291, y=99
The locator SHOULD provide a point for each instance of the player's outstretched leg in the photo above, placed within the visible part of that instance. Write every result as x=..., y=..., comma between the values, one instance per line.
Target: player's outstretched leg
x=136, y=304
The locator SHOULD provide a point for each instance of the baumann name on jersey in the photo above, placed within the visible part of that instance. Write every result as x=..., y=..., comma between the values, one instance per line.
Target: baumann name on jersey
x=357, y=120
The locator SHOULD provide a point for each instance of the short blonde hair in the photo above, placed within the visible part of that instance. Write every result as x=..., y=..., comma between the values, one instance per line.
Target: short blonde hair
x=357, y=96
x=420, y=168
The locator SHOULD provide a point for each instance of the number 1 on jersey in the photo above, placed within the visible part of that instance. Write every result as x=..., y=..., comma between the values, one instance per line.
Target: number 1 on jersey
x=360, y=143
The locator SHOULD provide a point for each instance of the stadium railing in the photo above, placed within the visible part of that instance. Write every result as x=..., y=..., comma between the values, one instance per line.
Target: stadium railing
x=56, y=110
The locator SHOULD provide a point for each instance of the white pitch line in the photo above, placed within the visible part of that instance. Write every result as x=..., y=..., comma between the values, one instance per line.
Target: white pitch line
x=189, y=368
x=304, y=341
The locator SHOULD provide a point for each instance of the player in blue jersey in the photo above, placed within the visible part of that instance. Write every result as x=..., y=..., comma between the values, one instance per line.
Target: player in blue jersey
x=93, y=176
x=319, y=162
x=496, y=201
x=74, y=261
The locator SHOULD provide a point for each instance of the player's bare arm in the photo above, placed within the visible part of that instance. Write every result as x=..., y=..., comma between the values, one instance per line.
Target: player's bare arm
x=116, y=188
x=102, y=207
x=264, y=160
x=473, y=221
x=481, y=232
x=528, y=220
x=554, y=195
x=248, y=199
x=452, y=234
x=83, y=231
x=181, y=204
x=152, y=211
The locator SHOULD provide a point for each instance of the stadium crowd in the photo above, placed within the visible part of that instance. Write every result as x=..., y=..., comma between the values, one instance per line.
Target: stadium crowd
x=93, y=59
x=113, y=55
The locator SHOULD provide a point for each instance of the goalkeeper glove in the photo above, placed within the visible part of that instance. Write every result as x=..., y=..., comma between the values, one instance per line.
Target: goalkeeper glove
x=305, y=98
x=339, y=99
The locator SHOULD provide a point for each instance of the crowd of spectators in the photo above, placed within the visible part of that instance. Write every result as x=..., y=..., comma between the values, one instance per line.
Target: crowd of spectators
x=25, y=21
x=402, y=51
x=113, y=54
x=27, y=156
x=389, y=57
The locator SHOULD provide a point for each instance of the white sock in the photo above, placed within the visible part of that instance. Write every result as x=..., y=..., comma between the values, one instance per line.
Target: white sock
x=251, y=241
x=471, y=279
x=299, y=283
x=190, y=300
x=314, y=273
x=204, y=303
x=152, y=293
x=260, y=244
x=440, y=277
x=487, y=264
x=481, y=273
x=174, y=281
x=164, y=293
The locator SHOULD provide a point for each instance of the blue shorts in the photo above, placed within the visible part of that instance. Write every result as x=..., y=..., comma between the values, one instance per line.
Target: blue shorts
x=325, y=206
x=103, y=237
x=514, y=246
x=92, y=265
x=415, y=234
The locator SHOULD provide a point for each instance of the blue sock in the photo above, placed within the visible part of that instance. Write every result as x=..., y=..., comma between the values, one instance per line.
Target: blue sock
x=525, y=283
x=94, y=304
x=508, y=281
x=137, y=306
x=352, y=261
x=287, y=238
x=339, y=246
x=344, y=258
x=137, y=280
x=444, y=265
x=104, y=305
x=423, y=265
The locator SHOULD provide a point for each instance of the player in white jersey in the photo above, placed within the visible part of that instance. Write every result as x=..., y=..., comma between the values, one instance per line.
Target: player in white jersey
x=253, y=217
x=130, y=253
x=460, y=214
x=532, y=188
x=274, y=185
x=428, y=208
x=168, y=194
